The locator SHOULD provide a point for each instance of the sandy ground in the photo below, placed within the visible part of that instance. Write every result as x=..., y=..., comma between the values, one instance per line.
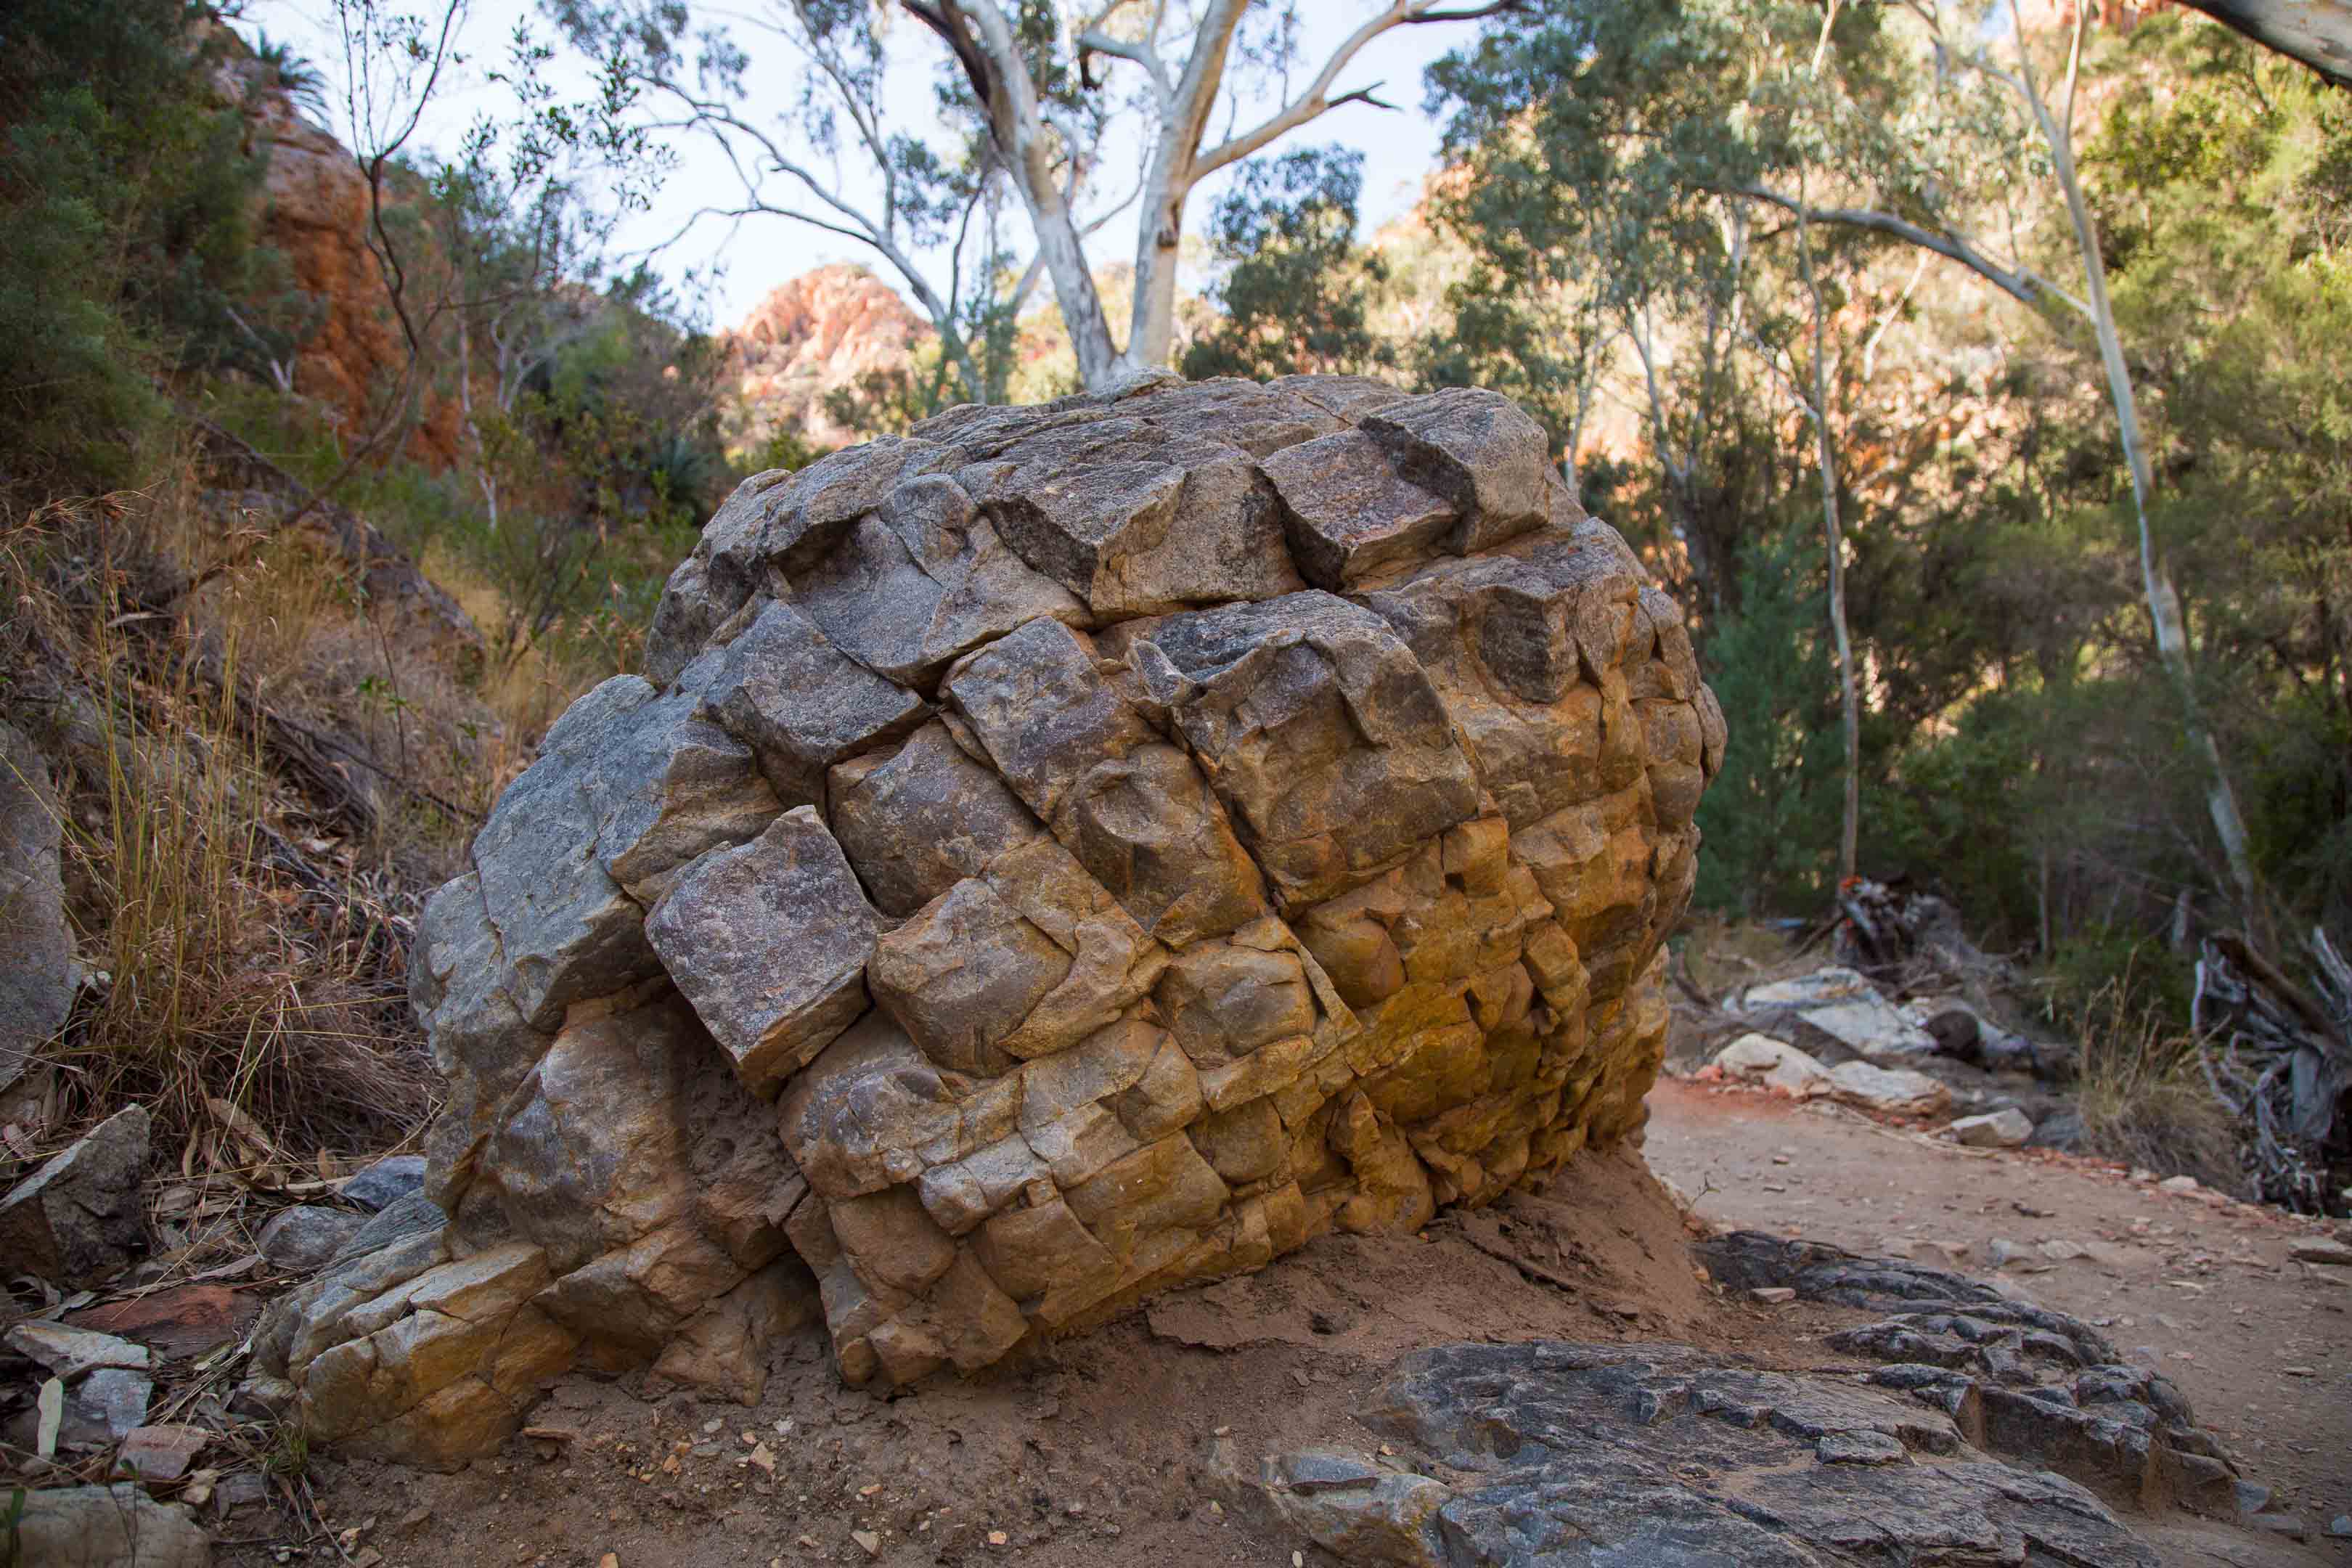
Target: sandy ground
x=1094, y=1452
x=2196, y=1284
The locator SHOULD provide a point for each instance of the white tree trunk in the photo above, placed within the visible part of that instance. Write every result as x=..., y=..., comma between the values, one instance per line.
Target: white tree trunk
x=2156, y=577
x=1000, y=77
x=982, y=38
x=1848, y=699
x=1151, y=334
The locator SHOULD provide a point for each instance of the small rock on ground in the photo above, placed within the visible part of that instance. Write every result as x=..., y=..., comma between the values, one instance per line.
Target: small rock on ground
x=2006, y=1128
x=306, y=1237
x=78, y=1219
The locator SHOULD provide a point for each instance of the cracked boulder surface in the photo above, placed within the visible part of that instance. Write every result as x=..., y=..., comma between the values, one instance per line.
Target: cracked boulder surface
x=1058, y=855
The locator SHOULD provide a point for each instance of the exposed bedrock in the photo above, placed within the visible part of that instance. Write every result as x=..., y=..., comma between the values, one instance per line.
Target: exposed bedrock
x=1052, y=857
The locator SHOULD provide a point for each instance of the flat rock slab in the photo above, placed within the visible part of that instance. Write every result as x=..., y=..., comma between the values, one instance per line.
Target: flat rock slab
x=1549, y=1454
x=67, y=1351
x=108, y=1526
x=178, y=1323
x=385, y=1183
x=2023, y=1379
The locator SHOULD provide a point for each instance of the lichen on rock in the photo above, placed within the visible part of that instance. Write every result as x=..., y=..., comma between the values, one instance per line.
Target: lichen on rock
x=1056, y=856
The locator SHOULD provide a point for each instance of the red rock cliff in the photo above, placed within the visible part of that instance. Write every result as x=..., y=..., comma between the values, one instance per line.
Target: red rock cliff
x=811, y=336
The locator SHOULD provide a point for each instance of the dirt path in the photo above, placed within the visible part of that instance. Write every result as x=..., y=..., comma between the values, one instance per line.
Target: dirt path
x=2203, y=1287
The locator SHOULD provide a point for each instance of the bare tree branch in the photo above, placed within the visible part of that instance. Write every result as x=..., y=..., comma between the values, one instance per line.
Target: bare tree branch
x=2021, y=284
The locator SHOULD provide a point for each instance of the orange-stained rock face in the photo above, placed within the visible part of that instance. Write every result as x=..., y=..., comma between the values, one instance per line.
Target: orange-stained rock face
x=813, y=336
x=316, y=211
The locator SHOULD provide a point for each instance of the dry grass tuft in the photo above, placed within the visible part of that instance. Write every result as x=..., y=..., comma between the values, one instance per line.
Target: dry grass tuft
x=248, y=968
x=2142, y=1097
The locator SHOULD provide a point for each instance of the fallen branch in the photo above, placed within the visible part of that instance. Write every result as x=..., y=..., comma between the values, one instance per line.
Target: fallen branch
x=2280, y=1061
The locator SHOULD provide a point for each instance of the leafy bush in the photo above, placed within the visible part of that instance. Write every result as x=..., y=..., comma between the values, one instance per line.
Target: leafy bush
x=1769, y=820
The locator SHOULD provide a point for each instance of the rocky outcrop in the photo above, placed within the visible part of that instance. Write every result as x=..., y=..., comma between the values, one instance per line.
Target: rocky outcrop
x=1043, y=864
x=1561, y=1454
x=1974, y=1430
x=2023, y=1379
x=812, y=336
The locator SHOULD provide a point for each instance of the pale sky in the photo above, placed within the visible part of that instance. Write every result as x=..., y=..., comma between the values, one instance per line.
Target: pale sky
x=1400, y=146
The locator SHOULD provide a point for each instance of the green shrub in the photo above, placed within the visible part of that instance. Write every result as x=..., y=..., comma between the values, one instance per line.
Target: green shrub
x=127, y=250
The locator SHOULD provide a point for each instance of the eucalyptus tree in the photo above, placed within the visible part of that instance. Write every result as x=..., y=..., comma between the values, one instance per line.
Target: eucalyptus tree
x=1088, y=113
x=830, y=144
x=1915, y=123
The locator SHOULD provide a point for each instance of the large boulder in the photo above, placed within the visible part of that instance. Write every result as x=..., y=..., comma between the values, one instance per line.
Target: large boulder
x=1051, y=856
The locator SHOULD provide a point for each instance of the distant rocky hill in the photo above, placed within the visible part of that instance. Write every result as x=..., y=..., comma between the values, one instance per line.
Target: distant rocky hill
x=813, y=335
x=315, y=211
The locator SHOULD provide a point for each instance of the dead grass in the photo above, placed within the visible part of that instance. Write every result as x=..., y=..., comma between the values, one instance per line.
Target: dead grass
x=249, y=961
x=2142, y=1097
x=1723, y=954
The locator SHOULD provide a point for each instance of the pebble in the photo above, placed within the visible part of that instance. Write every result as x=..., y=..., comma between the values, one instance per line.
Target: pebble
x=1773, y=1295
x=2341, y=1526
x=867, y=1541
x=2007, y=1128
x=2321, y=1251
x=2177, y=1184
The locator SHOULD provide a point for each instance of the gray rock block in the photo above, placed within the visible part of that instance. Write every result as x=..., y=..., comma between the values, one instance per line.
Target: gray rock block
x=802, y=704
x=769, y=942
x=1328, y=743
x=1477, y=450
x=309, y=1236
x=385, y=1183
x=1351, y=516
x=78, y=1218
